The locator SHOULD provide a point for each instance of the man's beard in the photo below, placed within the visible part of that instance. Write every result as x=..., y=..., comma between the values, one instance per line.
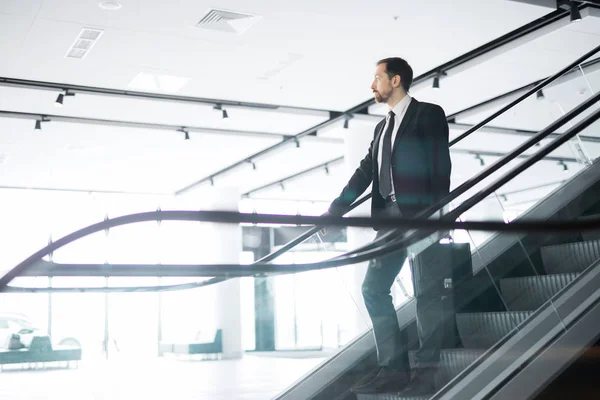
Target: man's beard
x=379, y=98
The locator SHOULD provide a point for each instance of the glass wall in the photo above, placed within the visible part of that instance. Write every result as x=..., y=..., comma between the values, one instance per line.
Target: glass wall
x=312, y=311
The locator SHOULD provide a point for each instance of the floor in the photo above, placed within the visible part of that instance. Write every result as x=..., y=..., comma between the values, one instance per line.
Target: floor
x=255, y=377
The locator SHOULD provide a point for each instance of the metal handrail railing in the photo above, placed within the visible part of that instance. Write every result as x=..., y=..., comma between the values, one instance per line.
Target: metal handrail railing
x=423, y=226
x=454, y=194
x=470, y=183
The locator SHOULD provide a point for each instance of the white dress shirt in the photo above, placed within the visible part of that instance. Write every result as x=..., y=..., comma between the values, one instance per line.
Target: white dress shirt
x=399, y=111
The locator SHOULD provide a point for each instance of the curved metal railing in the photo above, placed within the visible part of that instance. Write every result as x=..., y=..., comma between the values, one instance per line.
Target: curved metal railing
x=373, y=249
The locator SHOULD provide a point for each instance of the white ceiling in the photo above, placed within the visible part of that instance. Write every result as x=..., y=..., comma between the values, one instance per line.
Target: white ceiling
x=337, y=43
x=318, y=55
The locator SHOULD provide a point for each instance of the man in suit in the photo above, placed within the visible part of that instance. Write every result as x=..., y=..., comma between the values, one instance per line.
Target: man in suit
x=409, y=165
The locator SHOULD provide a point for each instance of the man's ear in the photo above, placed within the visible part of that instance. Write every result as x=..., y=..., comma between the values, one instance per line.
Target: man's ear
x=396, y=81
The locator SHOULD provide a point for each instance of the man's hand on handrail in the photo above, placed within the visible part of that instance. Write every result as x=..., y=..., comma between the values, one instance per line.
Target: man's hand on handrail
x=324, y=229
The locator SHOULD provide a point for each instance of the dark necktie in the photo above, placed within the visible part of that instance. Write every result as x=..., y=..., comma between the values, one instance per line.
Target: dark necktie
x=385, y=178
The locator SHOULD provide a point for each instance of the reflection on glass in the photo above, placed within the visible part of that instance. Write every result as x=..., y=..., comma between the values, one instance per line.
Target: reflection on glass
x=23, y=310
x=80, y=317
x=187, y=315
x=299, y=298
x=133, y=320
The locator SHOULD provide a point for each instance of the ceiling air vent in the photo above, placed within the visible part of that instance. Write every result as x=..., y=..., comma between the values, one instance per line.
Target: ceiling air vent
x=227, y=21
x=83, y=44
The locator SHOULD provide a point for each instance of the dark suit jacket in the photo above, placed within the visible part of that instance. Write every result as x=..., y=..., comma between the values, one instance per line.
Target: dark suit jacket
x=420, y=163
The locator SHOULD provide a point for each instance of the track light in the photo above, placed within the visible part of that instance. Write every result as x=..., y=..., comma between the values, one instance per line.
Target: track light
x=38, y=123
x=481, y=160
x=504, y=197
x=185, y=132
x=346, y=121
x=575, y=15
x=436, y=79
x=564, y=165
x=61, y=98
x=218, y=107
x=253, y=164
x=326, y=169
x=297, y=142
x=282, y=186
x=212, y=181
x=540, y=95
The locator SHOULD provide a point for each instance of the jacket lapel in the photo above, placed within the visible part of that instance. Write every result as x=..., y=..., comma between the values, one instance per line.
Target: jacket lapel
x=410, y=113
x=377, y=140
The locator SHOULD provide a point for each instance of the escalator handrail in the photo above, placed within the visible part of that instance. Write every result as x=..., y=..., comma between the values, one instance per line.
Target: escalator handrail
x=490, y=170
x=464, y=187
x=500, y=163
x=402, y=242
x=467, y=185
x=297, y=268
x=439, y=205
x=531, y=91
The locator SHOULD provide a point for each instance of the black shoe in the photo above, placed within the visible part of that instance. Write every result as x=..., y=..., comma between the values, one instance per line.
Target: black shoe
x=368, y=379
x=422, y=382
x=386, y=381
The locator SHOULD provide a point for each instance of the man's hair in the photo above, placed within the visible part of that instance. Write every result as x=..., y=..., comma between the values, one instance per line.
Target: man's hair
x=398, y=66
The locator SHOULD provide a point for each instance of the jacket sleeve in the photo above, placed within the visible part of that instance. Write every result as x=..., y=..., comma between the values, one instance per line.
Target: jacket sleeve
x=436, y=134
x=358, y=183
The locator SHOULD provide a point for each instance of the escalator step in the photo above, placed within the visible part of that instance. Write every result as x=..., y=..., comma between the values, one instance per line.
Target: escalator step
x=452, y=362
x=483, y=330
x=530, y=292
x=390, y=396
x=570, y=257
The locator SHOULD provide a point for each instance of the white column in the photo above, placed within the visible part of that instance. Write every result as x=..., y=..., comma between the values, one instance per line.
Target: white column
x=222, y=244
x=357, y=139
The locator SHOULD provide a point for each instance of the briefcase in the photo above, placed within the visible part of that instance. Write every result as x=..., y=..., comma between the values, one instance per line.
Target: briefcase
x=443, y=269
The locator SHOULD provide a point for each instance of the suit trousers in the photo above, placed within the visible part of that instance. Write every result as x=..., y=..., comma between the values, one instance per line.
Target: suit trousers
x=391, y=343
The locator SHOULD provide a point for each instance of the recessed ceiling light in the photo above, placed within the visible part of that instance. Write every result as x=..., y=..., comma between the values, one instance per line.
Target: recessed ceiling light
x=110, y=5
x=155, y=82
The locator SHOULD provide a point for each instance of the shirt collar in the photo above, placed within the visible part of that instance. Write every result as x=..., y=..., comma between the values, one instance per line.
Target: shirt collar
x=400, y=107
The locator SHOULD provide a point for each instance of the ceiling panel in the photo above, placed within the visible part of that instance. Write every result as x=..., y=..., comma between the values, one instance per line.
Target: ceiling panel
x=158, y=112
x=26, y=8
x=10, y=44
x=291, y=56
x=586, y=25
x=281, y=163
x=571, y=42
x=532, y=61
x=535, y=114
x=89, y=157
x=153, y=35
x=463, y=167
x=303, y=188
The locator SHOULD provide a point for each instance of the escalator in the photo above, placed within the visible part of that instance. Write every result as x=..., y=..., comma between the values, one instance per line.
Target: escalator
x=528, y=271
x=509, y=296
x=518, y=285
